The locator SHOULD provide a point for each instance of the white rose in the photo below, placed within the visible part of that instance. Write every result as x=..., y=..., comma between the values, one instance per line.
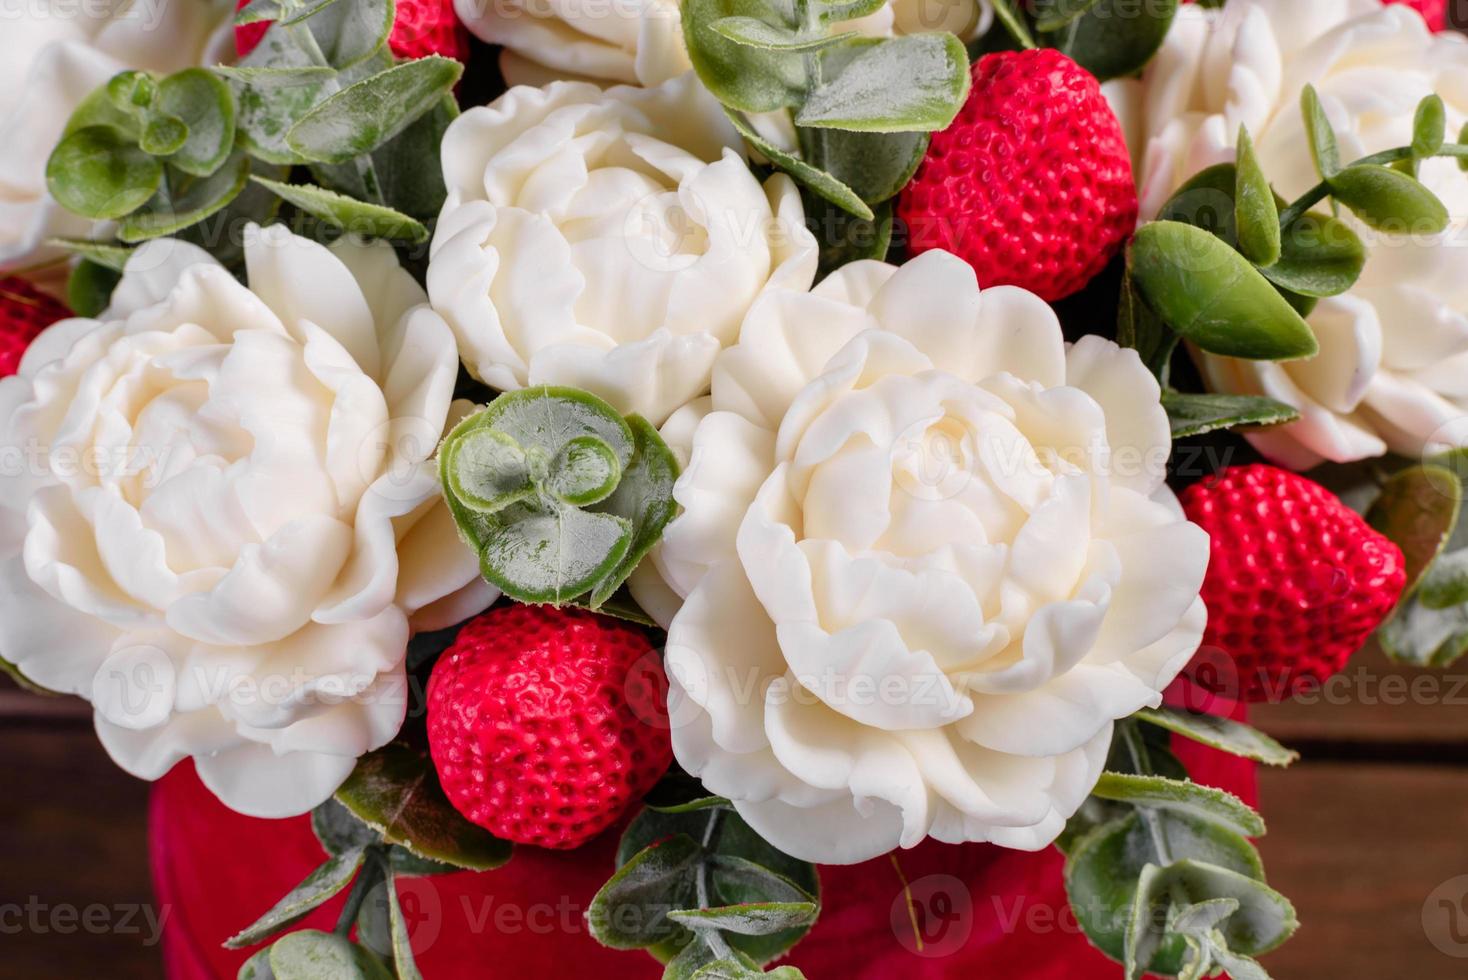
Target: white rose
x=217, y=518
x=1392, y=372
x=641, y=41
x=607, y=240
x=53, y=53
x=926, y=559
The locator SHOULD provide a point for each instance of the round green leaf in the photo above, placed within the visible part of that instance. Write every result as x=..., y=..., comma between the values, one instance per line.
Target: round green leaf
x=206, y=106
x=486, y=470
x=742, y=77
x=1418, y=509
x=89, y=289
x=97, y=174
x=585, y=471
x=552, y=554
x=163, y=135
x=184, y=200
x=313, y=955
x=1213, y=296
x=914, y=83
x=1389, y=200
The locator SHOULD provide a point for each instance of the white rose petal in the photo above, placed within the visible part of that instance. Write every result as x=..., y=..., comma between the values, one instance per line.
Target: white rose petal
x=1394, y=349
x=926, y=559
x=218, y=514
x=611, y=241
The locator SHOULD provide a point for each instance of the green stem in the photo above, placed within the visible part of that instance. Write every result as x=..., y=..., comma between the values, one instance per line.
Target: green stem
x=1321, y=191
x=1143, y=765
x=1013, y=23
x=713, y=937
x=367, y=879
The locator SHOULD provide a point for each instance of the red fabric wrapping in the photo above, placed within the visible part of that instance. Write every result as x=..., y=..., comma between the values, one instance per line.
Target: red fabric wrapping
x=984, y=911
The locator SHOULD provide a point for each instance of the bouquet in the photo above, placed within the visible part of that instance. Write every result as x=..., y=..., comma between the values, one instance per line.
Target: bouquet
x=708, y=450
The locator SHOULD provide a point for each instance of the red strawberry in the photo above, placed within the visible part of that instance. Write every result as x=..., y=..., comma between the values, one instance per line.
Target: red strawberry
x=422, y=28
x=1296, y=584
x=24, y=312
x=1032, y=183
x=544, y=724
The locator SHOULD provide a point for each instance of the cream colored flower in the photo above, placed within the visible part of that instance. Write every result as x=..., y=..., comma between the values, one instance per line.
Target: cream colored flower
x=640, y=42
x=925, y=559
x=218, y=521
x=1392, y=373
x=607, y=240
x=53, y=53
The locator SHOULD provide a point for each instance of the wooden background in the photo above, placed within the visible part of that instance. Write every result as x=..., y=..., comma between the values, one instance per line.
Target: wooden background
x=1361, y=832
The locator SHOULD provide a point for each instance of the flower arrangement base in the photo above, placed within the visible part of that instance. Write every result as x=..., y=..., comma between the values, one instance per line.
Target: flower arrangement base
x=980, y=910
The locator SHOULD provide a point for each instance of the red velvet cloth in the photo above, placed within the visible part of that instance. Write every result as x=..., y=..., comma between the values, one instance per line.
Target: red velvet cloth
x=984, y=911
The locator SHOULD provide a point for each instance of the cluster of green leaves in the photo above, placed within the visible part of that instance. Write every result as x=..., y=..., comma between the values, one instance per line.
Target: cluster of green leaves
x=1420, y=508
x=1234, y=269
x=389, y=820
x=705, y=894
x=862, y=107
x=197, y=153
x=558, y=494
x=1108, y=38
x=1160, y=871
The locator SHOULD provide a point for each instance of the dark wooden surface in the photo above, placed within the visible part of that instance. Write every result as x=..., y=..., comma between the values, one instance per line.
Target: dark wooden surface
x=1361, y=833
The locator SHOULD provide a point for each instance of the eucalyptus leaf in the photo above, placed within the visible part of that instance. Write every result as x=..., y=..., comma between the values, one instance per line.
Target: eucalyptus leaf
x=338, y=830
x=257, y=967
x=89, y=288
x=395, y=791
x=1425, y=637
x=206, y=108
x=822, y=183
x=402, y=949
x=408, y=174
x=742, y=77
x=1223, y=734
x=914, y=83
x=163, y=135
x=346, y=213
x=755, y=33
x=313, y=955
x=96, y=173
x=263, y=78
x=753, y=919
x=1183, y=796
x=1418, y=510
x=266, y=111
x=876, y=166
x=644, y=499
x=630, y=910
x=183, y=200
x=319, y=887
x=1319, y=133
x=1192, y=415
x=349, y=34
x=1445, y=584
x=1255, y=214
x=364, y=116
x=1114, y=38
x=552, y=553
x=845, y=238
x=1388, y=200
x=1211, y=295
x=107, y=254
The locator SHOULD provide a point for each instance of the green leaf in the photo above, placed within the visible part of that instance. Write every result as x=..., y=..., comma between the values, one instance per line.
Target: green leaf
x=1192, y=415
x=1425, y=637
x=346, y=213
x=584, y=472
x=1463, y=138
x=486, y=470
x=348, y=34
x=741, y=77
x=89, y=288
x=267, y=106
x=1445, y=584
x=1206, y=201
x=1052, y=15
x=1116, y=37
x=1263, y=920
x=406, y=864
x=913, y=83
x=402, y=948
x=843, y=10
x=876, y=166
x=96, y=173
x=292, y=77
x=1223, y=734
x=845, y=238
x=313, y=955
x=163, y=135
x=1211, y=295
x=1429, y=127
x=1320, y=134
x=552, y=553
x=364, y=116
x=395, y=791
x=205, y=105
x=1418, y=510
x=644, y=499
x=338, y=830
x=405, y=182
x=1143, y=331
x=630, y=910
x=691, y=806
x=753, y=919
x=1388, y=200
x=1320, y=256
x=1255, y=214
x=1103, y=868
x=319, y=887
x=106, y=254
x=734, y=970
x=183, y=200
x=755, y=33
x=1183, y=796
x=257, y=967
x=809, y=176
